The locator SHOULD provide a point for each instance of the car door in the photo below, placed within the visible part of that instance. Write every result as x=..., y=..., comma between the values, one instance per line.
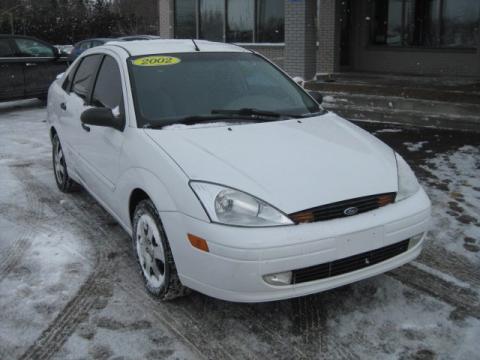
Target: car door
x=11, y=72
x=41, y=65
x=99, y=147
x=77, y=85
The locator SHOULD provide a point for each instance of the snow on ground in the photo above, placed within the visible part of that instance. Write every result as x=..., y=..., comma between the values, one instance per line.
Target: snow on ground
x=69, y=288
x=456, y=214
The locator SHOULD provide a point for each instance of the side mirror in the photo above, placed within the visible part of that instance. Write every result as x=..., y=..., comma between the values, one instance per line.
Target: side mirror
x=100, y=116
x=56, y=52
x=316, y=96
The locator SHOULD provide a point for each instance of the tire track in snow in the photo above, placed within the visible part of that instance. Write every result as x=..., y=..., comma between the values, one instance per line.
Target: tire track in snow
x=450, y=263
x=85, y=215
x=76, y=310
x=12, y=256
x=446, y=291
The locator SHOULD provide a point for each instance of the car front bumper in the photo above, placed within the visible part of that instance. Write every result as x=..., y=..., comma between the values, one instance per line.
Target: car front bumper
x=239, y=258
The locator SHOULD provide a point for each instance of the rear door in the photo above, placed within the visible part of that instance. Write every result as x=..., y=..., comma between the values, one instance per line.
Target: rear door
x=41, y=65
x=11, y=72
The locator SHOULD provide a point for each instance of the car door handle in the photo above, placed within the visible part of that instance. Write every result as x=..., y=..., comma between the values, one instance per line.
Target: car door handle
x=85, y=127
x=31, y=64
x=63, y=106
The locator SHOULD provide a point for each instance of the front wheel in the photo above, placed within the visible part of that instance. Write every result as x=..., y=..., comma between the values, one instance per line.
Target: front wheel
x=63, y=180
x=153, y=253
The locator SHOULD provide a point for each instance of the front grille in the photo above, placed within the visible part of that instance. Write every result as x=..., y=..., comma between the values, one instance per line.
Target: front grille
x=343, y=208
x=352, y=263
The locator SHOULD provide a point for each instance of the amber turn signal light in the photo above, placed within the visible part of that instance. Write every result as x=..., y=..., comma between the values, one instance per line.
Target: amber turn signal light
x=385, y=199
x=198, y=242
x=303, y=217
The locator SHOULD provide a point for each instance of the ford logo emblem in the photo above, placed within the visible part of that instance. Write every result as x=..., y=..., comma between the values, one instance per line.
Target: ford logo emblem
x=350, y=211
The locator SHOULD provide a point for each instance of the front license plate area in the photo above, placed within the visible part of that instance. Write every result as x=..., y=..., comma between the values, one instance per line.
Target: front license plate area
x=359, y=242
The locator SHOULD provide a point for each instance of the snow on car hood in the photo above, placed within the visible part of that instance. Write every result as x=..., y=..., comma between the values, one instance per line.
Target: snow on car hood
x=293, y=165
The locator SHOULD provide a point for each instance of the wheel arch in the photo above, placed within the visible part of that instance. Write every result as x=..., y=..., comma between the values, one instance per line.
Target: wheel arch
x=136, y=196
x=170, y=195
x=136, y=185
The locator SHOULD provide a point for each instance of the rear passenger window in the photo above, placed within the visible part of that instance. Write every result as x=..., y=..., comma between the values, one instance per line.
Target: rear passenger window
x=108, y=88
x=85, y=75
x=5, y=49
x=67, y=83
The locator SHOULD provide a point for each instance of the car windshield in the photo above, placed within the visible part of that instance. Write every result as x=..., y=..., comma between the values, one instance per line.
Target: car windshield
x=169, y=88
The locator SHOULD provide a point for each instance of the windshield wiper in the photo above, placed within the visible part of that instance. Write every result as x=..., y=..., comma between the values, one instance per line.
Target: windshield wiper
x=197, y=119
x=254, y=113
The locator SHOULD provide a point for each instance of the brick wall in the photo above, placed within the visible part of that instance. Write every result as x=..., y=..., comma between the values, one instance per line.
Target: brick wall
x=328, y=55
x=300, y=38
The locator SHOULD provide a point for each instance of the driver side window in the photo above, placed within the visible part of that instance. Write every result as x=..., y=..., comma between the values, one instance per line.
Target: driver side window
x=108, y=88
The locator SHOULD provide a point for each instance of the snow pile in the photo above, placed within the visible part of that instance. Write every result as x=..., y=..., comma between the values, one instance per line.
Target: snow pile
x=329, y=99
x=202, y=125
x=299, y=80
x=415, y=146
x=388, y=131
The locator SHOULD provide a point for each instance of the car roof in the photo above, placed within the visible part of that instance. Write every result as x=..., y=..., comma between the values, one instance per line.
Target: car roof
x=139, y=37
x=94, y=39
x=3, y=36
x=164, y=46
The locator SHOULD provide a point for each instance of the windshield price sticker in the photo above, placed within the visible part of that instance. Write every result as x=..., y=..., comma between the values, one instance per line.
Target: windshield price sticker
x=156, y=61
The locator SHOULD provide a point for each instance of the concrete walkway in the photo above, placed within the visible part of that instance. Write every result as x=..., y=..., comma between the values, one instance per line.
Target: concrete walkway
x=452, y=103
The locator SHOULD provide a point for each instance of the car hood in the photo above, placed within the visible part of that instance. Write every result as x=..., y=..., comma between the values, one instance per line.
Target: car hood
x=292, y=164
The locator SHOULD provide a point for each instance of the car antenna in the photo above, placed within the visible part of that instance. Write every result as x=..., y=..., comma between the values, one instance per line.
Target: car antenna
x=196, y=46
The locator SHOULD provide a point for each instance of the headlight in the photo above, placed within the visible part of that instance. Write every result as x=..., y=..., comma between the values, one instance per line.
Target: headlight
x=407, y=182
x=233, y=207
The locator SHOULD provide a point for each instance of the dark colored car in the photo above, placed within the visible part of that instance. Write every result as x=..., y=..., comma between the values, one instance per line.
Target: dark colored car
x=27, y=67
x=83, y=45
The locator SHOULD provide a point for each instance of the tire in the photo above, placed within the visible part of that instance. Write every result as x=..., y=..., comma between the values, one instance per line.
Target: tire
x=64, y=182
x=153, y=254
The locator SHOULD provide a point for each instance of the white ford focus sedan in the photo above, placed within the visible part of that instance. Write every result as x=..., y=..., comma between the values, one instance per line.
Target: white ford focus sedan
x=230, y=178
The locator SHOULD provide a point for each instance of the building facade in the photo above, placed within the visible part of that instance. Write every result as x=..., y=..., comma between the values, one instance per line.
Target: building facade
x=309, y=37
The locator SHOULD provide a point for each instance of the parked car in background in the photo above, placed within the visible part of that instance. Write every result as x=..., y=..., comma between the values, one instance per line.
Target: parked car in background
x=83, y=45
x=27, y=67
x=138, y=37
x=231, y=179
x=65, y=49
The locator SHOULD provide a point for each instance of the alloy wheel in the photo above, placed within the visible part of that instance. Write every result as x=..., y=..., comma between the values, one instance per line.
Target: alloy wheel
x=150, y=251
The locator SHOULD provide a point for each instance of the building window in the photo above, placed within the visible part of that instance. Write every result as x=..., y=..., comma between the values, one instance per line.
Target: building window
x=426, y=23
x=270, y=21
x=185, y=24
x=212, y=17
x=239, y=21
